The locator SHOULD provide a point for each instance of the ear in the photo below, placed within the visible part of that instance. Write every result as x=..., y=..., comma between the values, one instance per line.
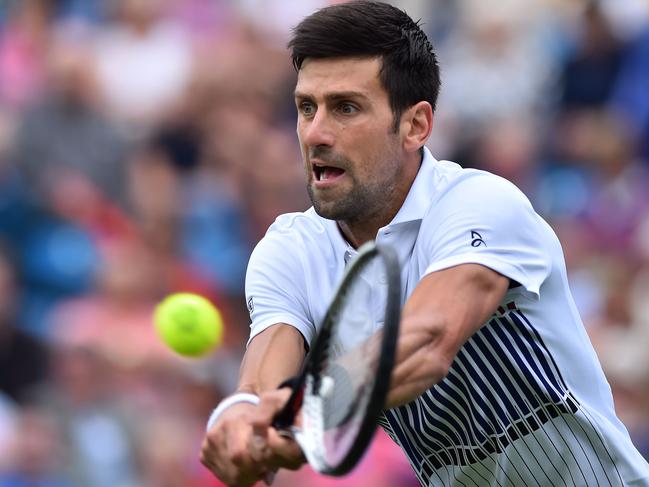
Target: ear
x=416, y=125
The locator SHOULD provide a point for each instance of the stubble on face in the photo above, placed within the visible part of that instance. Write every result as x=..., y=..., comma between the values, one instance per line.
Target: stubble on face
x=345, y=121
x=373, y=184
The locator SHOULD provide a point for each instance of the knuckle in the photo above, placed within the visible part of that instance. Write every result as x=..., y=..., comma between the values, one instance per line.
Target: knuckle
x=207, y=448
x=238, y=456
x=212, y=437
x=206, y=459
x=204, y=455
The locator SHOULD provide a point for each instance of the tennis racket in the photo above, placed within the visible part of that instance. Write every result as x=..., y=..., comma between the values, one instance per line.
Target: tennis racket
x=342, y=388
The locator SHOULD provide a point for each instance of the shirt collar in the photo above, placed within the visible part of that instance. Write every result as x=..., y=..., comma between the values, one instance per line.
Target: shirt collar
x=413, y=209
x=420, y=195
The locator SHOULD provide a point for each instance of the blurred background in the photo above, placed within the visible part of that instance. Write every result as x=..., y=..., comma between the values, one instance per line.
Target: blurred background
x=146, y=145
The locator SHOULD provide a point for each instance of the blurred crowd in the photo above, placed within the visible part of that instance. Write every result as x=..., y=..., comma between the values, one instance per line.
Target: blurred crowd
x=146, y=145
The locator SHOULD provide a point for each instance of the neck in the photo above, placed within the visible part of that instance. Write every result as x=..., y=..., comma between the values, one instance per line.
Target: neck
x=358, y=234
x=362, y=230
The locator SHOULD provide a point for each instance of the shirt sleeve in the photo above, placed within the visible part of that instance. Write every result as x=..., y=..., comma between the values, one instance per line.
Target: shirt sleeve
x=486, y=220
x=276, y=290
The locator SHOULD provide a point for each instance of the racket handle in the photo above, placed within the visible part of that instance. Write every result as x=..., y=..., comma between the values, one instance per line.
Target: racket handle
x=284, y=419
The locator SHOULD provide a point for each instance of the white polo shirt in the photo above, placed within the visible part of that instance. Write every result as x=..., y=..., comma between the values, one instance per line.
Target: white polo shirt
x=525, y=401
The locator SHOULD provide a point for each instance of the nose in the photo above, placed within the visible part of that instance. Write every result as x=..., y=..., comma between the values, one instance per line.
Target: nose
x=317, y=130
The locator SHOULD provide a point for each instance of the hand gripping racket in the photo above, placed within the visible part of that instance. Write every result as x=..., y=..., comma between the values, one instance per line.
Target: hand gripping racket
x=346, y=376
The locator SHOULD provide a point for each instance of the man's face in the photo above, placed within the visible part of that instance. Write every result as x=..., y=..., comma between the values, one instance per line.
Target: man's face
x=345, y=127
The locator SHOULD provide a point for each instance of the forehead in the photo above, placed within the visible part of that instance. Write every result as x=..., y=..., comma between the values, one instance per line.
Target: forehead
x=318, y=77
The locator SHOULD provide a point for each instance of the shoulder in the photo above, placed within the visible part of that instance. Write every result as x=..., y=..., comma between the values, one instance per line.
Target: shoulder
x=290, y=238
x=482, y=218
x=469, y=193
x=291, y=225
x=468, y=186
x=470, y=200
x=293, y=229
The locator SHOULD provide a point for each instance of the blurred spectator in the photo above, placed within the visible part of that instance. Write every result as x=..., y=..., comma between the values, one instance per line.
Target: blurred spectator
x=507, y=147
x=199, y=214
x=598, y=150
x=23, y=359
x=214, y=232
x=70, y=159
x=279, y=187
x=590, y=72
x=107, y=346
x=620, y=334
x=38, y=452
x=143, y=63
x=620, y=197
x=70, y=155
x=274, y=20
x=203, y=19
x=627, y=17
x=631, y=96
x=23, y=47
x=97, y=424
x=8, y=424
x=115, y=320
x=170, y=454
x=83, y=11
x=494, y=67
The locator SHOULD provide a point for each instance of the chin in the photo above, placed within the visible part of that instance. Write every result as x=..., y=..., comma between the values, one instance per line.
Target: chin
x=329, y=208
x=323, y=211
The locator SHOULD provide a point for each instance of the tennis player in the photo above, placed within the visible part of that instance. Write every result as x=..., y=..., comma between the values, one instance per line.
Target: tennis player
x=496, y=382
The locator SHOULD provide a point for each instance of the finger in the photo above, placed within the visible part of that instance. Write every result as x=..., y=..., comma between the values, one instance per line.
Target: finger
x=270, y=477
x=225, y=453
x=213, y=458
x=238, y=448
x=258, y=448
x=249, y=453
x=286, y=452
x=271, y=403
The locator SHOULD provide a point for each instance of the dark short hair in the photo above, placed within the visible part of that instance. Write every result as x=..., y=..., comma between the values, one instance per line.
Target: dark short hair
x=362, y=28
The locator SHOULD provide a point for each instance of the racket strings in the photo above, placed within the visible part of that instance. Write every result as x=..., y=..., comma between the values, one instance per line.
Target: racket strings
x=348, y=371
x=348, y=367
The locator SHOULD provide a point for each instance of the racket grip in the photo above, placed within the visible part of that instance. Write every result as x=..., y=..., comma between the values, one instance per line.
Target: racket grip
x=292, y=382
x=284, y=419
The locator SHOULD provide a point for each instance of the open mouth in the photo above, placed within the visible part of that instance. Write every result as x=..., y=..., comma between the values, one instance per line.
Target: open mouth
x=324, y=173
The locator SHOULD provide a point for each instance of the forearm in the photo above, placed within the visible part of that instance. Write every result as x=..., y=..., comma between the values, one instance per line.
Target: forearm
x=444, y=311
x=420, y=363
x=272, y=356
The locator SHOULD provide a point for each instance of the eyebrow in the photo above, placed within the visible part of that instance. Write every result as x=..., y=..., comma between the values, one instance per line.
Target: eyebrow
x=333, y=97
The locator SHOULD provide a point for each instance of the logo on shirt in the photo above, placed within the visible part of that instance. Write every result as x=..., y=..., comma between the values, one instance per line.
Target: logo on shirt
x=251, y=305
x=476, y=239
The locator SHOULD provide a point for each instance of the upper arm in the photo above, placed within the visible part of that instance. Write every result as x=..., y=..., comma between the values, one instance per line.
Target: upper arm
x=277, y=286
x=281, y=324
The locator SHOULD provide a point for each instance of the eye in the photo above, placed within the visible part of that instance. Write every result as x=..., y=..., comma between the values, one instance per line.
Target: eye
x=347, y=108
x=306, y=108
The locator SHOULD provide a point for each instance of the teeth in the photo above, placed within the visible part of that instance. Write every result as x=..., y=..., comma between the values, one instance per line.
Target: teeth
x=322, y=173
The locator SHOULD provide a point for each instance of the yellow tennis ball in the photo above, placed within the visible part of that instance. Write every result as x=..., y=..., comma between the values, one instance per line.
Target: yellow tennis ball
x=188, y=323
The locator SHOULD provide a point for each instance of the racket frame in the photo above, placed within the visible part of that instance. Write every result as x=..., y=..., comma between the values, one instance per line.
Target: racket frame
x=284, y=420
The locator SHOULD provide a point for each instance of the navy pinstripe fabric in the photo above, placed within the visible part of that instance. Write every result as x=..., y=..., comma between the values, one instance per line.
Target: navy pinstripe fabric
x=502, y=416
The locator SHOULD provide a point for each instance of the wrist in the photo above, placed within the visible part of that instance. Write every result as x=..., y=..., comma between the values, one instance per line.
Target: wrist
x=239, y=397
